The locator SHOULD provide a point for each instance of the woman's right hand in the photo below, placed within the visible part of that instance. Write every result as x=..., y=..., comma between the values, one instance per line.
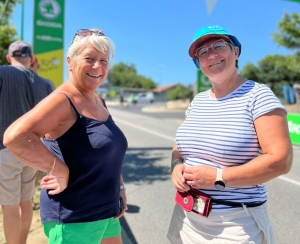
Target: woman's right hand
x=54, y=184
x=178, y=179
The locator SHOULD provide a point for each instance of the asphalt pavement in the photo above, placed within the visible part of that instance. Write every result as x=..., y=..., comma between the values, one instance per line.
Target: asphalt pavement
x=146, y=171
x=157, y=110
x=150, y=131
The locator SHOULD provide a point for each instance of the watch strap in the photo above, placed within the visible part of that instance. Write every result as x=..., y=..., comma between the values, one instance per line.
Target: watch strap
x=219, y=174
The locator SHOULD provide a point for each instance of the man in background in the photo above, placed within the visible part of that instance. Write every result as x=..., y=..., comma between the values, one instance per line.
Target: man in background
x=20, y=90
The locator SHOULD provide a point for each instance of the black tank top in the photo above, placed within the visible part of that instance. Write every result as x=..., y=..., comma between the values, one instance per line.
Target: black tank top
x=94, y=151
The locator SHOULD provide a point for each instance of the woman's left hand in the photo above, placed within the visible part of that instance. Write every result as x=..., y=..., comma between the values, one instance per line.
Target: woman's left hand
x=50, y=182
x=123, y=195
x=201, y=176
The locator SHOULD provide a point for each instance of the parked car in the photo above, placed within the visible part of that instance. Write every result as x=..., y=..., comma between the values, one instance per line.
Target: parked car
x=143, y=97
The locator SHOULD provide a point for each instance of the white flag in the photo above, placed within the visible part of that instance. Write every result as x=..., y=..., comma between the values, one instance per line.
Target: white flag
x=210, y=4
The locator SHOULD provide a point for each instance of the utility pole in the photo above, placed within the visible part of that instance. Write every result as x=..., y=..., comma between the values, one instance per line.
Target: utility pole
x=22, y=21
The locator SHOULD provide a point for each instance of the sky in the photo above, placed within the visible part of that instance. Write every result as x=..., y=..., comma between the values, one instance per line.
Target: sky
x=155, y=35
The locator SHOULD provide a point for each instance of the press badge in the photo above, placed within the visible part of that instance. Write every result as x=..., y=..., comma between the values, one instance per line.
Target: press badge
x=199, y=205
x=195, y=201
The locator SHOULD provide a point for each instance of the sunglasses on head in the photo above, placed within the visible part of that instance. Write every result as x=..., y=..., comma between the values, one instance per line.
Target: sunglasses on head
x=87, y=32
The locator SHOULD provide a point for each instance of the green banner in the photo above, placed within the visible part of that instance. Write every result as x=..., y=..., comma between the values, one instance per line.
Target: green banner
x=297, y=1
x=48, y=38
x=203, y=82
x=294, y=127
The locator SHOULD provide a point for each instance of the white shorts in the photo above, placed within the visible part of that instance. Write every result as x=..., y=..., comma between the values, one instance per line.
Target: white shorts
x=249, y=225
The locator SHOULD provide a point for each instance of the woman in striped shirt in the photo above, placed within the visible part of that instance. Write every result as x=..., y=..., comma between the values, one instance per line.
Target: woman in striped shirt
x=234, y=139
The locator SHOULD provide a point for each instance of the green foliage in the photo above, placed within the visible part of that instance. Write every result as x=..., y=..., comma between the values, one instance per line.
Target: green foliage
x=180, y=92
x=250, y=71
x=274, y=70
x=8, y=9
x=7, y=32
x=278, y=70
x=269, y=68
x=289, y=31
x=124, y=75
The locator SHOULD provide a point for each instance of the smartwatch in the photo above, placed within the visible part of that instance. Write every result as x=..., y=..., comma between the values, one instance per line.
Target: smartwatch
x=220, y=183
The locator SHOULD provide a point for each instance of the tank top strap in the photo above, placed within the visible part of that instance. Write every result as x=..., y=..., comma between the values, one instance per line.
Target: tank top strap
x=104, y=104
x=71, y=103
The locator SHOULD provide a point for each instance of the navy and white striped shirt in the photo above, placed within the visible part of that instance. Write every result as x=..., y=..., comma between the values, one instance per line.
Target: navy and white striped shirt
x=220, y=133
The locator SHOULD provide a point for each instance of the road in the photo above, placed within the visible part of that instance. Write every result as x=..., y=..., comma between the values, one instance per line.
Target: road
x=150, y=193
x=153, y=110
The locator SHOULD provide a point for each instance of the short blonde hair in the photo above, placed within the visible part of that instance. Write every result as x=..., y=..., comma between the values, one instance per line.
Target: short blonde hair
x=101, y=43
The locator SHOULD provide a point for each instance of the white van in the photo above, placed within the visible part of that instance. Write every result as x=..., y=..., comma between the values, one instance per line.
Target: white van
x=143, y=97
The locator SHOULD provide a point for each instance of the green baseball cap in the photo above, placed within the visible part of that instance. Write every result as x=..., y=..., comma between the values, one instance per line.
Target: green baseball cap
x=207, y=33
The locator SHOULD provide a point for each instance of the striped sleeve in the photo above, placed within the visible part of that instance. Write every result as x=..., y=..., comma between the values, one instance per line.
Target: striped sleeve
x=264, y=101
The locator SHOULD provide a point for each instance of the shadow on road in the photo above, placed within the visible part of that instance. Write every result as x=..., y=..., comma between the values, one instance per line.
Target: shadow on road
x=127, y=229
x=144, y=165
x=133, y=208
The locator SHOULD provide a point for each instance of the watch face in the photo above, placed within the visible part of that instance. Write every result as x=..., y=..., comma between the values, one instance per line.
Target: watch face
x=220, y=185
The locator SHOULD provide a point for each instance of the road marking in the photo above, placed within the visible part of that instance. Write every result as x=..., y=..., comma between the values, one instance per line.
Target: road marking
x=173, y=140
x=289, y=180
x=147, y=130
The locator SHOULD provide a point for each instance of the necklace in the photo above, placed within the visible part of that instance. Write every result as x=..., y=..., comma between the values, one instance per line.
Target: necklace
x=96, y=101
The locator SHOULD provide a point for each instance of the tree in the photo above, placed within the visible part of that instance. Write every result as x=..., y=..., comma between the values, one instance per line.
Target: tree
x=275, y=70
x=279, y=70
x=270, y=69
x=7, y=32
x=124, y=75
x=289, y=32
x=251, y=72
x=180, y=92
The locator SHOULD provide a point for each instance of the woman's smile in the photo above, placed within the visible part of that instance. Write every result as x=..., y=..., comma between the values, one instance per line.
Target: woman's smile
x=93, y=76
x=219, y=62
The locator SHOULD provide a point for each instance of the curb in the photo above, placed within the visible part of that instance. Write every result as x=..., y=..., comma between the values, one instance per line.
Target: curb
x=125, y=238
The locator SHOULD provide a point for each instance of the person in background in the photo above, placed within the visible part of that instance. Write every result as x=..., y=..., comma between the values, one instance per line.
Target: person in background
x=83, y=195
x=35, y=68
x=131, y=99
x=121, y=98
x=34, y=65
x=234, y=139
x=20, y=91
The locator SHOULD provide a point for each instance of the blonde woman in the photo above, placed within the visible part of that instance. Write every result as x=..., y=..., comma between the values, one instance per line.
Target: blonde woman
x=82, y=153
